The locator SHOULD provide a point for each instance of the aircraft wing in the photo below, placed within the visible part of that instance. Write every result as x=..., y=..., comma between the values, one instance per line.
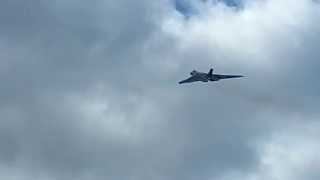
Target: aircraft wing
x=191, y=79
x=221, y=76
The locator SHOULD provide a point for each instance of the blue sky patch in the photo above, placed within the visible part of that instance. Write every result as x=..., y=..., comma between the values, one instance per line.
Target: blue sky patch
x=187, y=7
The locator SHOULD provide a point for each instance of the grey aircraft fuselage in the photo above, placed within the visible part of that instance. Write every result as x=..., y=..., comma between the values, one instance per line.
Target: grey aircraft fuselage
x=206, y=77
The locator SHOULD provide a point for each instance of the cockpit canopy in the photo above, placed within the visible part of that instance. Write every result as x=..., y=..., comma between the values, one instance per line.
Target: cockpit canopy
x=194, y=72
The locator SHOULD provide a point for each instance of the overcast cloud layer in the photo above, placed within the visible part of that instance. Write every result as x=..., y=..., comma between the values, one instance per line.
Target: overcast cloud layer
x=89, y=90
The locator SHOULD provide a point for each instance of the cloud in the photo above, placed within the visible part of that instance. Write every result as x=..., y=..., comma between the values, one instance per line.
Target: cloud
x=288, y=154
x=89, y=90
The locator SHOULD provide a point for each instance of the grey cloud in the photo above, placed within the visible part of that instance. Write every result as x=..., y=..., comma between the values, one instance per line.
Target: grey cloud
x=89, y=92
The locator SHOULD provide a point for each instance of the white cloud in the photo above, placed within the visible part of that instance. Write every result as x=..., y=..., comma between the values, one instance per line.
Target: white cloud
x=287, y=154
x=263, y=35
x=90, y=90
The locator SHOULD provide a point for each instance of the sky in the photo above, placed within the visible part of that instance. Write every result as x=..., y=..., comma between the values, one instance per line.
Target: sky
x=89, y=90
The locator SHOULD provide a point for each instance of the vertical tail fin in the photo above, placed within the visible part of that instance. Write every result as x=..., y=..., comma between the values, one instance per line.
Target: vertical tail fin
x=210, y=72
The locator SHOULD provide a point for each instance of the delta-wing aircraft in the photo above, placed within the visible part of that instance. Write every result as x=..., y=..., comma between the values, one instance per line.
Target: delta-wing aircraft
x=205, y=77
